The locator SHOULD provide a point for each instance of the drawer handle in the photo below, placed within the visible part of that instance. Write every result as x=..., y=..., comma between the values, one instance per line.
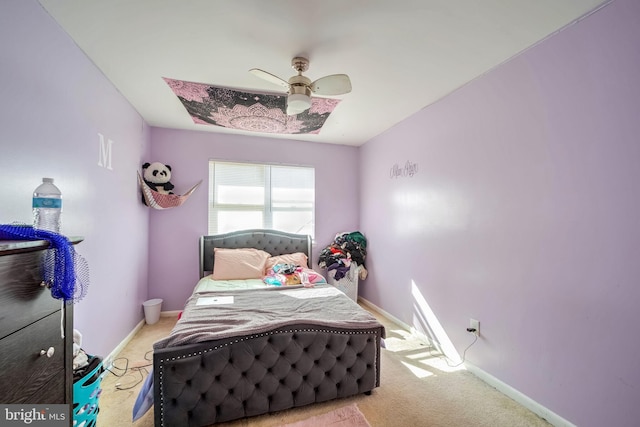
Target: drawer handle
x=49, y=352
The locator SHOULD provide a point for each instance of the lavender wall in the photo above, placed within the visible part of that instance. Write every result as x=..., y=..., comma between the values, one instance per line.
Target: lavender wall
x=523, y=214
x=53, y=104
x=174, y=233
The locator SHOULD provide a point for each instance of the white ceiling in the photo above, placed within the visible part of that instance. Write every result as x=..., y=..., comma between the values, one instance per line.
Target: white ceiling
x=401, y=55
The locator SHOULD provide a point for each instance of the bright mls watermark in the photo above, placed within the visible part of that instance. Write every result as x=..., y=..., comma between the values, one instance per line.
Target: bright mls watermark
x=34, y=415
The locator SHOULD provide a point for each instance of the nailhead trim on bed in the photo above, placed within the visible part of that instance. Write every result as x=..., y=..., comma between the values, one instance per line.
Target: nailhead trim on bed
x=242, y=353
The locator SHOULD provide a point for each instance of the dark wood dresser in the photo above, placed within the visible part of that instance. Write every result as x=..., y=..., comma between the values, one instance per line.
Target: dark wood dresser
x=35, y=361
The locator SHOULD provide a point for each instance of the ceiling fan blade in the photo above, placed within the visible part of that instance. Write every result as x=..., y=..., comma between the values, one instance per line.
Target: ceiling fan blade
x=335, y=84
x=269, y=77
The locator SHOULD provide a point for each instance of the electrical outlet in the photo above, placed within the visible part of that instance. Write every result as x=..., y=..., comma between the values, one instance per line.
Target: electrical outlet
x=475, y=324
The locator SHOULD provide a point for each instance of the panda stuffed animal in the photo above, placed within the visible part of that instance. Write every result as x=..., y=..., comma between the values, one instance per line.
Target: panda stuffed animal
x=158, y=177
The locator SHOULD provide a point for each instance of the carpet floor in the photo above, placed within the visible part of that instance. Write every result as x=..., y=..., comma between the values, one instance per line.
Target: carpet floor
x=418, y=388
x=347, y=416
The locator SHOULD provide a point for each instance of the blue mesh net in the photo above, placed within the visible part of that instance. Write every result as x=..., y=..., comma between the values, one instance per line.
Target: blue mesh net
x=63, y=269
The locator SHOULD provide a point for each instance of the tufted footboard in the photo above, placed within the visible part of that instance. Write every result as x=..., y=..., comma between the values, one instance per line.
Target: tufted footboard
x=227, y=379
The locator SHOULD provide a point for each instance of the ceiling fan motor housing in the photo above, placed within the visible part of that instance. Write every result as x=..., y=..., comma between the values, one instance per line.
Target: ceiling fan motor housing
x=300, y=85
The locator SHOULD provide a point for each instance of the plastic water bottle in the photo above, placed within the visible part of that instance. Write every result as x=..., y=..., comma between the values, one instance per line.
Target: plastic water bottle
x=47, y=206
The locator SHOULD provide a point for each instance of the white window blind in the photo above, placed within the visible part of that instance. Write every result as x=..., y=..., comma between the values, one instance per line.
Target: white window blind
x=247, y=195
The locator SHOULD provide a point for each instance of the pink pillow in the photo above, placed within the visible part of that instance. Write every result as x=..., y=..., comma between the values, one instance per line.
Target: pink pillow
x=297, y=258
x=236, y=264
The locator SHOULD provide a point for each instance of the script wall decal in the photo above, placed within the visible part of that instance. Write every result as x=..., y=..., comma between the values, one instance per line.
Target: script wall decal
x=407, y=171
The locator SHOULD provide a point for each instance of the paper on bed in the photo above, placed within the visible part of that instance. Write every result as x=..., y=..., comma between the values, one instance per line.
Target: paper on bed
x=227, y=299
x=262, y=310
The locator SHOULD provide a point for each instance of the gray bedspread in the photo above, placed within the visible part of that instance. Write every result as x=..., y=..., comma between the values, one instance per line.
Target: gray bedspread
x=216, y=315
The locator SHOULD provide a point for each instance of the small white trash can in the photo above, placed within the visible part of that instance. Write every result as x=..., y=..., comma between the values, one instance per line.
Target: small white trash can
x=152, y=309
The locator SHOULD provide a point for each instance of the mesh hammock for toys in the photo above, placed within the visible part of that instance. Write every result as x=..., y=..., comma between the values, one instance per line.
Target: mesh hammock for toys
x=157, y=200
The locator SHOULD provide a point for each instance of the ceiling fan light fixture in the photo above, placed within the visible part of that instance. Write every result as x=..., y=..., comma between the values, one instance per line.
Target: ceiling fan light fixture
x=301, y=87
x=297, y=103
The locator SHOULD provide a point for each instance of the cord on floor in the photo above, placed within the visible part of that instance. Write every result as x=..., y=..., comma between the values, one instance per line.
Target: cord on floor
x=122, y=372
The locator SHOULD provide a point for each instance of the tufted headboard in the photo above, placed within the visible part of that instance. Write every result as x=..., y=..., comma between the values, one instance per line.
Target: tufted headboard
x=272, y=241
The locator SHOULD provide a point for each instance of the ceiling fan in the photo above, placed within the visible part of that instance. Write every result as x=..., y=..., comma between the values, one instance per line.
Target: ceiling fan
x=300, y=87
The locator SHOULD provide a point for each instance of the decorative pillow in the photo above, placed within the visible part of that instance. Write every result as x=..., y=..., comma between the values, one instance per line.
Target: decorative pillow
x=297, y=258
x=237, y=264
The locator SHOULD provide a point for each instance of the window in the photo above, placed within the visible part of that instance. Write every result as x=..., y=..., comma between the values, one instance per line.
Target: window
x=247, y=195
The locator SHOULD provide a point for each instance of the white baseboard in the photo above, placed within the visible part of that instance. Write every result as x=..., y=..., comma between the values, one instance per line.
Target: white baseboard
x=417, y=334
x=107, y=362
x=114, y=353
x=377, y=309
x=551, y=417
x=173, y=313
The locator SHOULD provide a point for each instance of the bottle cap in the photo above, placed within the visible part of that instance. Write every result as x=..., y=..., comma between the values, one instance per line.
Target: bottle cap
x=47, y=180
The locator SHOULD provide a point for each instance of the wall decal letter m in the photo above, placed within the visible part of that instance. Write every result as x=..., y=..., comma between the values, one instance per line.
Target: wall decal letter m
x=104, y=153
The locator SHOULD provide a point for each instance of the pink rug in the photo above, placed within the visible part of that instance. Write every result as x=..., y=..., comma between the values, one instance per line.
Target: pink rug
x=348, y=416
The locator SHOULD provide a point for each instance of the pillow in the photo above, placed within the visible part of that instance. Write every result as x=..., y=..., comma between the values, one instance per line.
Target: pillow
x=237, y=264
x=297, y=258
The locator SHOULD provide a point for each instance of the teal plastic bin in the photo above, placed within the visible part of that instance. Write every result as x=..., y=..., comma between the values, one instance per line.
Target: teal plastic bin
x=86, y=392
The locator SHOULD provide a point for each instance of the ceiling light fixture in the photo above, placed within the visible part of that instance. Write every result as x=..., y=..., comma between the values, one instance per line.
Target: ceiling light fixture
x=297, y=103
x=299, y=98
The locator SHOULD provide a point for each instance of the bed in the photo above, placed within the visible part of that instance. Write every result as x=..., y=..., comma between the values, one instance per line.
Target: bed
x=247, y=351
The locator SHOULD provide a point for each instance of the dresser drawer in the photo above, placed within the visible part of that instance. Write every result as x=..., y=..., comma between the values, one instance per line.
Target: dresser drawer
x=28, y=376
x=22, y=299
